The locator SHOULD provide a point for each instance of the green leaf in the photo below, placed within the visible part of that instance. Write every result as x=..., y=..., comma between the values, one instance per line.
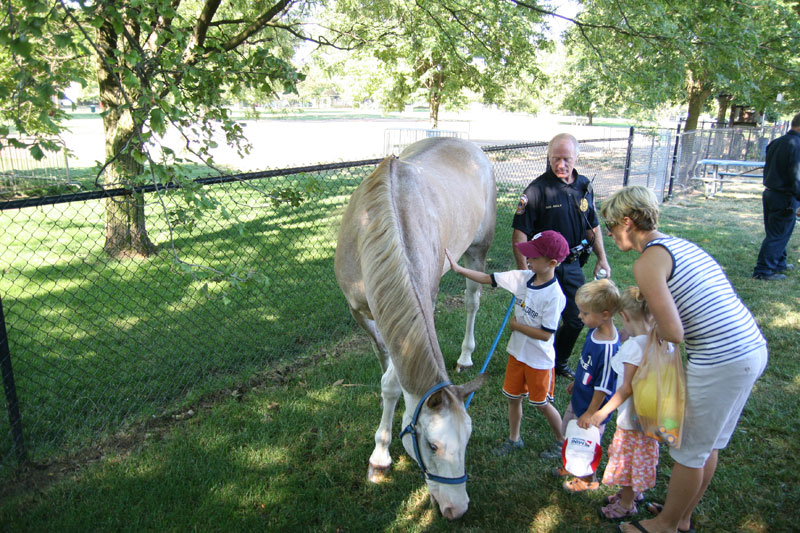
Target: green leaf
x=36, y=152
x=21, y=47
x=157, y=121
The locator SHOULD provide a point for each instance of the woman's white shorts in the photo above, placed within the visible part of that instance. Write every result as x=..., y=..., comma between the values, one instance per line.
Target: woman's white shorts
x=715, y=398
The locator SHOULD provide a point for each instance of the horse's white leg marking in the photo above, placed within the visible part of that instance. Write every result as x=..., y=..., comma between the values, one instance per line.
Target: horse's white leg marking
x=381, y=460
x=472, y=301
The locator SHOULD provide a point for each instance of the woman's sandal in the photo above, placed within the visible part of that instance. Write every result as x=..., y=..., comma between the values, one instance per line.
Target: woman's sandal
x=615, y=511
x=654, y=508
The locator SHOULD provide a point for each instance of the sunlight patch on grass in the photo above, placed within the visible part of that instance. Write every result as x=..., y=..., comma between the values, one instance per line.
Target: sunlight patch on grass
x=546, y=518
x=417, y=512
x=794, y=387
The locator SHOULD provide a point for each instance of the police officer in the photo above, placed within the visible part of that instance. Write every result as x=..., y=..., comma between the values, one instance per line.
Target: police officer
x=562, y=200
x=780, y=200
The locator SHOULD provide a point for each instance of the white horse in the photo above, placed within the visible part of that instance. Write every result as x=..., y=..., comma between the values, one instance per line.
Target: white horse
x=440, y=193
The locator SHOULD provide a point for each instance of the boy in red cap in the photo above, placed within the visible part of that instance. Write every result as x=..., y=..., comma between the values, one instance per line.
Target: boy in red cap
x=530, y=370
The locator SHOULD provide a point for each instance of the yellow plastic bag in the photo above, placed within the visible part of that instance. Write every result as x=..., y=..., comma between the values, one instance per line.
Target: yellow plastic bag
x=659, y=392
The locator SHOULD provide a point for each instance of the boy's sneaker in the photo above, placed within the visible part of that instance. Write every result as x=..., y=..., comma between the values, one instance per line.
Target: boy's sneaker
x=566, y=371
x=508, y=446
x=552, y=452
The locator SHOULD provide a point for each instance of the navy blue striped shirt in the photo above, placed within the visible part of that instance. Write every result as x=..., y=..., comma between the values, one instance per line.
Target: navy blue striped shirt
x=717, y=327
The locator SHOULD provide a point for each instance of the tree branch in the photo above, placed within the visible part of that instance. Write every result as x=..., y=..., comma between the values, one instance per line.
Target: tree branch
x=259, y=23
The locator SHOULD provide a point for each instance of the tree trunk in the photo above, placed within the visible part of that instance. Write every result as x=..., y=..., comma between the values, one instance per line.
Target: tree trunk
x=698, y=93
x=590, y=116
x=724, y=100
x=433, y=104
x=126, y=233
x=435, y=97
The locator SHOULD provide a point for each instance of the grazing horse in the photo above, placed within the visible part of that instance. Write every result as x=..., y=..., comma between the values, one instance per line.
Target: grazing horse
x=440, y=193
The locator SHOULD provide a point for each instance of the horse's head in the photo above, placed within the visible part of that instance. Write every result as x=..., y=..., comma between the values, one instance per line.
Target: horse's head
x=442, y=429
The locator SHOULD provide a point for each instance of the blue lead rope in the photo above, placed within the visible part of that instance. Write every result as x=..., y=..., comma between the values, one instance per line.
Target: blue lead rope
x=494, y=345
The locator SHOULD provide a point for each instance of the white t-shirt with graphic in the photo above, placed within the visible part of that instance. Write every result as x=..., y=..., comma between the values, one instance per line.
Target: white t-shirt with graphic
x=539, y=306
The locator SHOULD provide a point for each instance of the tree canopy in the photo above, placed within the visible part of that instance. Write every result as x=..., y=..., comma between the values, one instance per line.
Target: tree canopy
x=158, y=64
x=666, y=51
x=438, y=49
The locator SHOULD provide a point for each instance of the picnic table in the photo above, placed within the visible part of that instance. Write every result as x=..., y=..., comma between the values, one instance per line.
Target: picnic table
x=724, y=171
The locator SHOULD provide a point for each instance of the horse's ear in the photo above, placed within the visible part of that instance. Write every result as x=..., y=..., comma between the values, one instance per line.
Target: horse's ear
x=436, y=400
x=468, y=388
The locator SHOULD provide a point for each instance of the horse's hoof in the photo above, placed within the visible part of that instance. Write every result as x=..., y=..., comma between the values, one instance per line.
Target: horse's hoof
x=377, y=474
x=461, y=368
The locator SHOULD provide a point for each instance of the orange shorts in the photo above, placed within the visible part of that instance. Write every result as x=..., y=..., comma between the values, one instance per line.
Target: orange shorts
x=521, y=380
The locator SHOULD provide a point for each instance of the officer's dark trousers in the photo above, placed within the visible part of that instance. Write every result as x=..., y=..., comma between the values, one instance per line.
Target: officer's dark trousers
x=570, y=277
x=779, y=221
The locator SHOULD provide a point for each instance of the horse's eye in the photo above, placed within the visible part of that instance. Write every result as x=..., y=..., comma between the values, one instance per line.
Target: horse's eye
x=433, y=447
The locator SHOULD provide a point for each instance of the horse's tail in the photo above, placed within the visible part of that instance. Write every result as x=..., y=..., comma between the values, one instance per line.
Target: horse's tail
x=403, y=315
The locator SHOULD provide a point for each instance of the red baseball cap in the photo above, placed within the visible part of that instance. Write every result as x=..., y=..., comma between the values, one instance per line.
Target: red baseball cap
x=549, y=244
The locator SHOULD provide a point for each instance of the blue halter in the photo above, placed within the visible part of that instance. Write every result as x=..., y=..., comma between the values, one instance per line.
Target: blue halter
x=412, y=429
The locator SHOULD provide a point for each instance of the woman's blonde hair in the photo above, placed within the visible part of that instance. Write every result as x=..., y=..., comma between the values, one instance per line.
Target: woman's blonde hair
x=635, y=202
x=633, y=303
x=598, y=296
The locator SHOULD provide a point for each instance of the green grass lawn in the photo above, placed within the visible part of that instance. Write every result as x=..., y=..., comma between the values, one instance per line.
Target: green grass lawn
x=288, y=451
x=99, y=342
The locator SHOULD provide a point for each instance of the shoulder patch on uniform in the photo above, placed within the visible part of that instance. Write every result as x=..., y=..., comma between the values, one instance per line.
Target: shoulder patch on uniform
x=523, y=203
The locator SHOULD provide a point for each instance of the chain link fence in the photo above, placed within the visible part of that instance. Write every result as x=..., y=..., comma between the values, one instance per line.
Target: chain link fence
x=742, y=144
x=20, y=173
x=97, y=343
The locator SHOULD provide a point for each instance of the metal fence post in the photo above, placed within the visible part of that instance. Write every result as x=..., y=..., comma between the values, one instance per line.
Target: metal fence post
x=15, y=420
x=627, y=172
x=674, y=160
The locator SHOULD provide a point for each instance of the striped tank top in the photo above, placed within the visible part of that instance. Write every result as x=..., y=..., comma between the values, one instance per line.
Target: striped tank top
x=717, y=327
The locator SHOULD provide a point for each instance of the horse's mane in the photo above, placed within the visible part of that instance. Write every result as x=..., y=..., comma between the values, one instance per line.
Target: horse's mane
x=403, y=314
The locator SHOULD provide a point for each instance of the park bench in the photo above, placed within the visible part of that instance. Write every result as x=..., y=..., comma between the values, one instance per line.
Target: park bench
x=716, y=172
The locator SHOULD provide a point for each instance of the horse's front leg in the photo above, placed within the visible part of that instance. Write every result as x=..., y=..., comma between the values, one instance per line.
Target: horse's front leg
x=381, y=460
x=472, y=300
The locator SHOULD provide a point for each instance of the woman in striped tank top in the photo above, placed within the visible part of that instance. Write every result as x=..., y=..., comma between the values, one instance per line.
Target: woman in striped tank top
x=692, y=301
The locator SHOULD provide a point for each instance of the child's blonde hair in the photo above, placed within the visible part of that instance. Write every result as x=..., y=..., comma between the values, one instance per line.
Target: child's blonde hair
x=598, y=296
x=634, y=304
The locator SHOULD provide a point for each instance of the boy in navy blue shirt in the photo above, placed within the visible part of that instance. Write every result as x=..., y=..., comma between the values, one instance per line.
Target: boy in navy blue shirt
x=595, y=380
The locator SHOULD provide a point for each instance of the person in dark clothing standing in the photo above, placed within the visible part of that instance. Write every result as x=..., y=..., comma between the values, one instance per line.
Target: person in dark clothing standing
x=562, y=200
x=781, y=198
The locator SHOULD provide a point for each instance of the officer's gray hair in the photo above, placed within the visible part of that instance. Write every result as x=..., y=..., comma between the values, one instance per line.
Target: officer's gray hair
x=564, y=137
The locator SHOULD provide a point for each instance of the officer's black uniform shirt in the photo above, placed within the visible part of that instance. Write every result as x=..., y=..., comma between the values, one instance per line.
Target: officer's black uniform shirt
x=550, y=204
x=782, y=167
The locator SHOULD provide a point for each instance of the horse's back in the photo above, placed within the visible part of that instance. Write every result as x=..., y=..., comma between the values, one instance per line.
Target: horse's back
x=439, y=193
x=448, y=184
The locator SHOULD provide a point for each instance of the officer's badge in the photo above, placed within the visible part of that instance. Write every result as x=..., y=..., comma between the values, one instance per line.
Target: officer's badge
x=584, y=205
x=523, y=203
